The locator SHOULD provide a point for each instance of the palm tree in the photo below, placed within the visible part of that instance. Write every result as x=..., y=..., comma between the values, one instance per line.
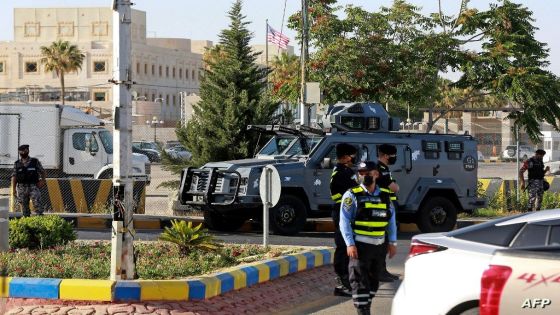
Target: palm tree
x=62, y=57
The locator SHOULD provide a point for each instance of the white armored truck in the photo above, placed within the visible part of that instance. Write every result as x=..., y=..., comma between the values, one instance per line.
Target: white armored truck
x=437, y=173
x=67, y=141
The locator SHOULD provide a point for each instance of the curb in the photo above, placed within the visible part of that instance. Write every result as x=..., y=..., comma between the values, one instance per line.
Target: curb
x=199, y=288
x=148, y=222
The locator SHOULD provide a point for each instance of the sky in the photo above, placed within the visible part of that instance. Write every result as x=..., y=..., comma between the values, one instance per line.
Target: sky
x=197, y=19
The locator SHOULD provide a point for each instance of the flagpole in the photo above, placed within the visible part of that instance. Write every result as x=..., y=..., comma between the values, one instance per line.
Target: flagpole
x=266, y=52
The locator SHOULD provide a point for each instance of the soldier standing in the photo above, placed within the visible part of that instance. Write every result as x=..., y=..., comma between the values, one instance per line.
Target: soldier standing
x=342, y=179
x=366, y=216
x=387, y=155
x=536, y=169
x=28, y=177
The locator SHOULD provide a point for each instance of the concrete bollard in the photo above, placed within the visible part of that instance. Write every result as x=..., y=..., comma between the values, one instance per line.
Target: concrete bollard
x=4, y=225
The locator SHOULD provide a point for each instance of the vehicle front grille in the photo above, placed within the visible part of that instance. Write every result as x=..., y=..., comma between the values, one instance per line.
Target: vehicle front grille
x=199, y=182
x=148, y=168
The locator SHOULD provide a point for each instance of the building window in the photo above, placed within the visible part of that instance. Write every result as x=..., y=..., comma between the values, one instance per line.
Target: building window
x=174, y=100
x=180, y=73
x=193, y=76
x=31, y=67
x=167, y=72
x=99, y=28
x=100, y=96
x=66, y=29
x=160, y=71
x=137, y=68
x=153, y=97
x=32, y=29
x=173, y=72
x=167, y=100
x=146, y=68
x=99, y=66
x=1, y=67
x=153, y=69
x=186, y=74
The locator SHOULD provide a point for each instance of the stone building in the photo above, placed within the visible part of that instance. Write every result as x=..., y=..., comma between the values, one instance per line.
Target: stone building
x=161, y=67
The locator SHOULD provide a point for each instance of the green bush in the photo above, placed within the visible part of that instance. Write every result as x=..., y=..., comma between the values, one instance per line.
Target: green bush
x=188, y=237
x=40, y=232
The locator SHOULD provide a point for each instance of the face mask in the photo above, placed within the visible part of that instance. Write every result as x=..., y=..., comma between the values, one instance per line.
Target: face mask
x=392, y=160
x=24, y=155
x=368, y=180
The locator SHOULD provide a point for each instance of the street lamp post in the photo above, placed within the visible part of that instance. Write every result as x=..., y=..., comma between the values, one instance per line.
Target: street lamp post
x=154, y=122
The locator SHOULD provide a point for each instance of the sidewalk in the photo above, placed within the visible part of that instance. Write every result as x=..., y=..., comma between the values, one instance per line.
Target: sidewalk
x=279, y=295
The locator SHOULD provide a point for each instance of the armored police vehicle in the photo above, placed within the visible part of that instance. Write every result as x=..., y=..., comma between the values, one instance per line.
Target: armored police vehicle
x=437, y=173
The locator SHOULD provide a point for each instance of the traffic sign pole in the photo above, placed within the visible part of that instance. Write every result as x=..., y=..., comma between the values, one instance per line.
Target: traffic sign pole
x=269, y=190
x=266, y=204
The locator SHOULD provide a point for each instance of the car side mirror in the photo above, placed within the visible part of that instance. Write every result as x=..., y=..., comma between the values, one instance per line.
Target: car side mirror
x=327, y=163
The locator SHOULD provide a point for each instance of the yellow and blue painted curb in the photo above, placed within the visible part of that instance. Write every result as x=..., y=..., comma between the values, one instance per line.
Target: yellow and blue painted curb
x=200, y=288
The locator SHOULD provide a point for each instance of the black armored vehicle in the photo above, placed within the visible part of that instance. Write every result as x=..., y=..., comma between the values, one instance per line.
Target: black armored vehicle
x=437, y=173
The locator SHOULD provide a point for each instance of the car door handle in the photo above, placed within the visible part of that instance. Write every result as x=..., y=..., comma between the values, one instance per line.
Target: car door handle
x=71, y=160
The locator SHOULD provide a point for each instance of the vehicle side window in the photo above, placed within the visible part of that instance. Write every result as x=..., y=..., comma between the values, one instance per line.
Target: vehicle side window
x=80, y=141
x=362, y=154
x=136, y=145
x=554, y=235
x=499, y=235
x=531, y=235
x=431, y=149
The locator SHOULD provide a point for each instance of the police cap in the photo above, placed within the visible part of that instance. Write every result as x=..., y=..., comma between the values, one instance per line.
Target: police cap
x=23, y=147
x=540, y=152
x=367, y=166
x=387, y=149
x=343, y=149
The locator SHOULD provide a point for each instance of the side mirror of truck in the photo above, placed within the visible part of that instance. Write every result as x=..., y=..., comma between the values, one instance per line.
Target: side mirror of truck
x=327, y=163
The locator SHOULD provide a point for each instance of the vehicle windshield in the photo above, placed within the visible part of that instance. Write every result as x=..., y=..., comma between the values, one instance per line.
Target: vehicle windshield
x=107, y=140
x=151, y=145
x=287, y=145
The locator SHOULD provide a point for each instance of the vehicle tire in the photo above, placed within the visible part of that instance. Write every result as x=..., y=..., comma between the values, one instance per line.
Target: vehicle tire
x=108, y=174
x=218, y=222
x=437, y=214
x=288, y=217
x=471, y=311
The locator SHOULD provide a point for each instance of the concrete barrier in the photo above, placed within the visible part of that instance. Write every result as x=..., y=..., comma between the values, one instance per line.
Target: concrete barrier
x=65, y=195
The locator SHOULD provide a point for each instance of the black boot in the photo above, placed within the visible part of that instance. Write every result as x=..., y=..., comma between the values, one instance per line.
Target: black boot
x=341, y=289
x=364, y=311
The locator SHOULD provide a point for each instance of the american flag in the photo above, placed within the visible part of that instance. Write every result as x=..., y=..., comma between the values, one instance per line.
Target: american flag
x=277, y=38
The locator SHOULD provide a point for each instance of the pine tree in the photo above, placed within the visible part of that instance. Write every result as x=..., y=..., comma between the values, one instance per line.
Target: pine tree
x=233, y=95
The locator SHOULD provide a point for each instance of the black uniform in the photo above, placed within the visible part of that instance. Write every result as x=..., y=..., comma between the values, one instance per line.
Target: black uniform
x=342, y=179
x=536, y=182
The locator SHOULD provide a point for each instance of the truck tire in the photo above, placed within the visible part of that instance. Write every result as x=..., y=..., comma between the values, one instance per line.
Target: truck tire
x=437, y=214
x=288, y=217
x=218, y=222
x=108, y=174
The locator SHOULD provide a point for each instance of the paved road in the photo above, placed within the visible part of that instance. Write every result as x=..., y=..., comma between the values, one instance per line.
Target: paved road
x=327, y=304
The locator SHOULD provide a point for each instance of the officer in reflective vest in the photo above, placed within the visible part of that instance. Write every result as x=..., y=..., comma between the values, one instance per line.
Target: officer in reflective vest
x=366, y=216
x=342, y=179
x=387, y=155
x=28, y=177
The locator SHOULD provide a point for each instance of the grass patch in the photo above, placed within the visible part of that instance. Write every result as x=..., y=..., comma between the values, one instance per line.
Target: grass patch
x=155, y=260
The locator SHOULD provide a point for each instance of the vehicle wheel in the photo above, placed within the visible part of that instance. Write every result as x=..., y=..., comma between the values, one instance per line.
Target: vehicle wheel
x=106, y=175
x=472, y=311
x=218, y=222
x=438, y=214
x=288, y=217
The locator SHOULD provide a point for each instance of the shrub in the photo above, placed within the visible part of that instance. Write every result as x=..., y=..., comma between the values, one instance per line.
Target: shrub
x=40, y=232
x=188, y=238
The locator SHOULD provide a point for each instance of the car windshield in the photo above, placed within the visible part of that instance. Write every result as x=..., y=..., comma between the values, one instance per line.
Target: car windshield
x=287, y=145
x=151, y=145
x=107, y=141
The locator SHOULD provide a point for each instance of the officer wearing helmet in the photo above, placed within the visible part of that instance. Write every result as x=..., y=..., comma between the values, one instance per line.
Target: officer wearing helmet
x=342, y=179
x=366, y=217
x=28, y=177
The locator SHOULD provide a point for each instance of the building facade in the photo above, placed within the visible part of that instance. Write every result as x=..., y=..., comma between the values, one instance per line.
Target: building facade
x=161, y=67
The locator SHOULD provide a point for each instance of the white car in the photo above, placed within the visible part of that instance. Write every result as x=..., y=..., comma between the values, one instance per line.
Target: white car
x=179, y=152
x=480, y=156
x=442, y=274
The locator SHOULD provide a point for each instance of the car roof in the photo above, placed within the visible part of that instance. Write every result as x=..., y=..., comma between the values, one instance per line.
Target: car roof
x=533, y=217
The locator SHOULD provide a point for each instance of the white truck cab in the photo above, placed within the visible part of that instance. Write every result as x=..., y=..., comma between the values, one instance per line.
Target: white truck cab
x=67, y=141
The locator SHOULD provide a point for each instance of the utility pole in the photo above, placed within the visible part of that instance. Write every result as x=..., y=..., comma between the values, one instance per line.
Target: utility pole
x=304, y=114
x=122, y=250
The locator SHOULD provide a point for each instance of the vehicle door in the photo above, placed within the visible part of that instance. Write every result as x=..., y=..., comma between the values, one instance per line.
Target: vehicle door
x=400, y=169
x=324, y=168
x=82, y=152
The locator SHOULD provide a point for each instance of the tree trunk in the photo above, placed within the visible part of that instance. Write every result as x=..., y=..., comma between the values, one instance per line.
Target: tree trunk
x=62, y=89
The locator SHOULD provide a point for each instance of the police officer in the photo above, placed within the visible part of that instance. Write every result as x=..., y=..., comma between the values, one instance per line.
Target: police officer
x=342, y=179
x=387, y=155
x=28, y=177
x=366, y=216
x=536, y=169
